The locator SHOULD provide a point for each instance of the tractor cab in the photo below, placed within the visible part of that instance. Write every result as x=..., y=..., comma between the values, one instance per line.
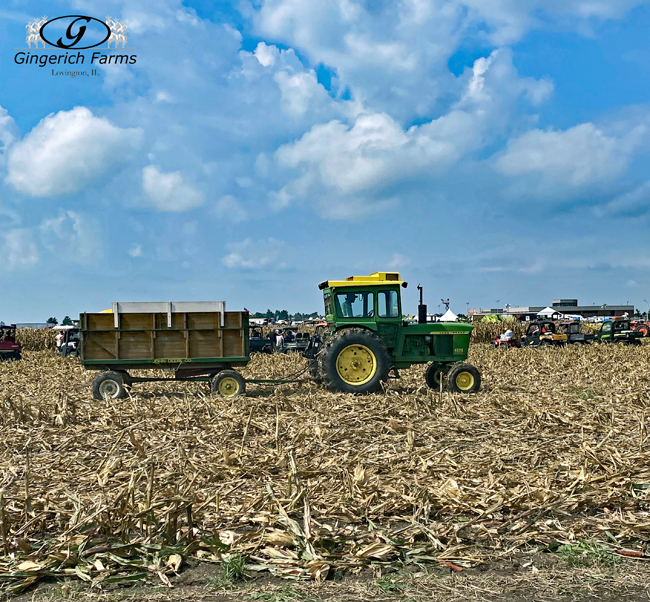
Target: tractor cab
x=366, y=312
x=10, y=349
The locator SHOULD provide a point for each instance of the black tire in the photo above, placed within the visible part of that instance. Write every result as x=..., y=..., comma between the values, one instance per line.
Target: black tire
x=464, y=378
x=109, y=384
x=643, y=329
x=432, y=376
x=229, y=383
x=373, y=357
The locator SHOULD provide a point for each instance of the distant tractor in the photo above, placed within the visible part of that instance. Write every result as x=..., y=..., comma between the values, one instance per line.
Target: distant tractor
x=70, y=344
x=10, y=349
x=543, y=333
x=368, y=339
x=618, y=330
x=642, y=326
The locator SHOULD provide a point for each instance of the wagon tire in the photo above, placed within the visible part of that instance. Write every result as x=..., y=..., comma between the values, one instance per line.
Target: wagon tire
x=109, y=384
x=229, y=383
x=464, y=378
x=355, y=361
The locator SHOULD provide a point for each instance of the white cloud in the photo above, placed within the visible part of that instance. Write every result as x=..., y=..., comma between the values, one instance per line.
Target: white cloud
x=135, y=251
x=72, y=236
x=229, y=208
x=398, y=261
x=65, y=151
x=393, y=55
x=631, y=283
x=631, y=204
x=250, y=255
x=169, y=191
x=8, y=133
x=568, y=162
x=345, y=169
x=266, y=55
x=298, y=90
x=19, y=251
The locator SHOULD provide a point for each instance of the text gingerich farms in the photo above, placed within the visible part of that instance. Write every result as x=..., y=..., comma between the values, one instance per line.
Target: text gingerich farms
x=97, y=58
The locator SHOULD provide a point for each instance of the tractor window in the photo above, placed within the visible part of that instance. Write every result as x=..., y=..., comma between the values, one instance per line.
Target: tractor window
x=354, y=305
x=387, y=304
x=607, y=327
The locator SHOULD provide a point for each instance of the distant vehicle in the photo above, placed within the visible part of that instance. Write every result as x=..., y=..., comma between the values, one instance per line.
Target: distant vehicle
x=10, y=349
x=294, y=342
x=542, y=333
x=70, y=345
x=618, y=330
x=642, y=326
x=512, y=343
x=575, y=337
x=258, y=343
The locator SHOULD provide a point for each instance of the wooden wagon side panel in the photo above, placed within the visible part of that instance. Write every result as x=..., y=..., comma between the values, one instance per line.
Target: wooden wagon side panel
x=148, y=337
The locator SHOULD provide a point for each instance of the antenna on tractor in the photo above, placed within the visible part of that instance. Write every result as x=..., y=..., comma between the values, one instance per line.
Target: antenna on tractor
x=422, y=309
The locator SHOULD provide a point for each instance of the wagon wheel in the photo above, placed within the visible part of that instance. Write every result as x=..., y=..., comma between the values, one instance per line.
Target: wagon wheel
x=109, y=385
x=229, y=383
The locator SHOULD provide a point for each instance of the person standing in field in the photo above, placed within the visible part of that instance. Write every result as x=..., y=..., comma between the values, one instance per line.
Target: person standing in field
x=59, y=339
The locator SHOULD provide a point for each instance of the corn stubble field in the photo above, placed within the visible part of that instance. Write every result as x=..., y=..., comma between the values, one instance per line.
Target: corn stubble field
x=304, y=483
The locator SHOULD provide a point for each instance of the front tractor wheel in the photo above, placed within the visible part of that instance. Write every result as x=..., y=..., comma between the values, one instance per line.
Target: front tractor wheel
x=355, y=361
x=229, y=383
x=464, y=379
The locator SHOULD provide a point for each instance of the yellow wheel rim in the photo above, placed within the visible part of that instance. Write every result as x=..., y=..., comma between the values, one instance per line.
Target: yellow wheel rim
x=465, y=381
x=356, y=364
x=228, y=387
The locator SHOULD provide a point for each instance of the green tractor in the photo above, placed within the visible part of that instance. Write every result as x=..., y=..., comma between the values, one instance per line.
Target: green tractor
x=368, y=339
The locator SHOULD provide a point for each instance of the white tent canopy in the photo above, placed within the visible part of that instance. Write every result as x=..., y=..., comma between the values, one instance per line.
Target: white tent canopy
x=449, y=316
x=548, y=312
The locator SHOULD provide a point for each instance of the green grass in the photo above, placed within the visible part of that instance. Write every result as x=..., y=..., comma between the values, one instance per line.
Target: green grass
x=233, y=568
x=588, y=554
x=282, y=594
x=390, y=584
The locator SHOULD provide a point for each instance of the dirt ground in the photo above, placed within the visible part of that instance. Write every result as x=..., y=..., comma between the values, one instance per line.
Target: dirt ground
x=536, y=577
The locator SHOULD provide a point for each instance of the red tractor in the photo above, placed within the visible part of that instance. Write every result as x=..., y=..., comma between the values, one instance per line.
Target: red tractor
x=641, y=326
x=9, y=348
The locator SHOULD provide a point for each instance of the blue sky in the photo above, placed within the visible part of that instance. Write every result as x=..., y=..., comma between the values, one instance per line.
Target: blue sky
x=487, y=150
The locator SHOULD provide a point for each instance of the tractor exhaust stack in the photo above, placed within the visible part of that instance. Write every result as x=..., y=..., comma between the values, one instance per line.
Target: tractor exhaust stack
x=422, y=309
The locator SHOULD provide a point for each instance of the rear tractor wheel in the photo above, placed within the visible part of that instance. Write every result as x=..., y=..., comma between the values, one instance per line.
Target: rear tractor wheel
x=355, y=361
x=464, y=379
x=229, y=383
x=643, y=329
